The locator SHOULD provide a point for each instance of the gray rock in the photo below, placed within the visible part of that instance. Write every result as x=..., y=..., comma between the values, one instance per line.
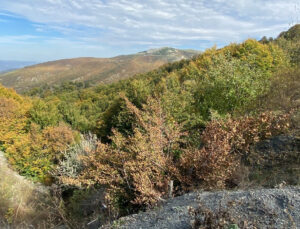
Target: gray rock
x=263, y=208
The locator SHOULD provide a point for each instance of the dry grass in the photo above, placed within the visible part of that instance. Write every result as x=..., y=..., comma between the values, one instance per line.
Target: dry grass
x=23, y=203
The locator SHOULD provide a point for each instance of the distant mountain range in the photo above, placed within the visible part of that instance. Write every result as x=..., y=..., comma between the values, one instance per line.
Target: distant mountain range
x=9, y=65
x=93, y=70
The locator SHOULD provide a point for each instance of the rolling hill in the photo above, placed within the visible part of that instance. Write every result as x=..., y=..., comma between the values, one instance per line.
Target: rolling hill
x=92, y=70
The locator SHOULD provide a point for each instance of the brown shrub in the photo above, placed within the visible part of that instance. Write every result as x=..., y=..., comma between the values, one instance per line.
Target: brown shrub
x=58, y=138
x=224, y=142
x=137, y=169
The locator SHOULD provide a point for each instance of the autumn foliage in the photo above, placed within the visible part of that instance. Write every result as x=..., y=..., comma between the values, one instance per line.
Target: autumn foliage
x=224, y=143
x=137, y=170
x=30, y=149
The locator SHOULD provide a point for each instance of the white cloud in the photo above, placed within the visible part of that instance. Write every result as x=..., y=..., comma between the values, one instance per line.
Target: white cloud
x=150, y=23
x=25, y=48
x=21, y=39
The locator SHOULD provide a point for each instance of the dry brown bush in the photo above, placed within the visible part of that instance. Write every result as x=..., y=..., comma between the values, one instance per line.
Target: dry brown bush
x=224, y=142
x=136, y=169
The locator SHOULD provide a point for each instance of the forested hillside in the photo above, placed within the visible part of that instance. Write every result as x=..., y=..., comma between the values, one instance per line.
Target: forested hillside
x=220, y=82
x=186, y=125
x=88, y=71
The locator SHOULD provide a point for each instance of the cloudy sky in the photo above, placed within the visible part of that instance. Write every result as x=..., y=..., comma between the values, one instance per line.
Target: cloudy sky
x=41, y=30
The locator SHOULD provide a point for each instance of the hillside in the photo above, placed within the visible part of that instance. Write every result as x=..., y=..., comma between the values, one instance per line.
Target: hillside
x=226, y=119
x=92, y=70
x=292, y=34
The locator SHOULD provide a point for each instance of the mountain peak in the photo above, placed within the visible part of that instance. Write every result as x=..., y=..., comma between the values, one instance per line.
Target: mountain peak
x=161, y=51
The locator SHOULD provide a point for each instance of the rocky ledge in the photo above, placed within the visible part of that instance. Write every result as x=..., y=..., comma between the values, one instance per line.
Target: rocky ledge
x=263, y=208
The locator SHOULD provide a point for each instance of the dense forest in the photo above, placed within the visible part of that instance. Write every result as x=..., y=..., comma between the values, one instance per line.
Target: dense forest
x=184, y=126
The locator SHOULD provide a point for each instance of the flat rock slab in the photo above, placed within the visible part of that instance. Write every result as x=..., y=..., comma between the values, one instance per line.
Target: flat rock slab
x=262, y=208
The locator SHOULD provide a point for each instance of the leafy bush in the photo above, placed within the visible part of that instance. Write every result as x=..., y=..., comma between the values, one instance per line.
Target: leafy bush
x=231, y=79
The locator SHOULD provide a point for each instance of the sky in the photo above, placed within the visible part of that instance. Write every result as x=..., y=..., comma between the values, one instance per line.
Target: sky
x=43, y=30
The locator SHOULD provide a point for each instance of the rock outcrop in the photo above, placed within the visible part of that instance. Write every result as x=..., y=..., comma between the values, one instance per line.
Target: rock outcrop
x=264, y=208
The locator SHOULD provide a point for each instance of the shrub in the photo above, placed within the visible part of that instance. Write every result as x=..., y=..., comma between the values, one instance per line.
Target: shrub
x=33, y=154
x=58, y=138
x=224, y=142
x=136, y=169
x=71, y=165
